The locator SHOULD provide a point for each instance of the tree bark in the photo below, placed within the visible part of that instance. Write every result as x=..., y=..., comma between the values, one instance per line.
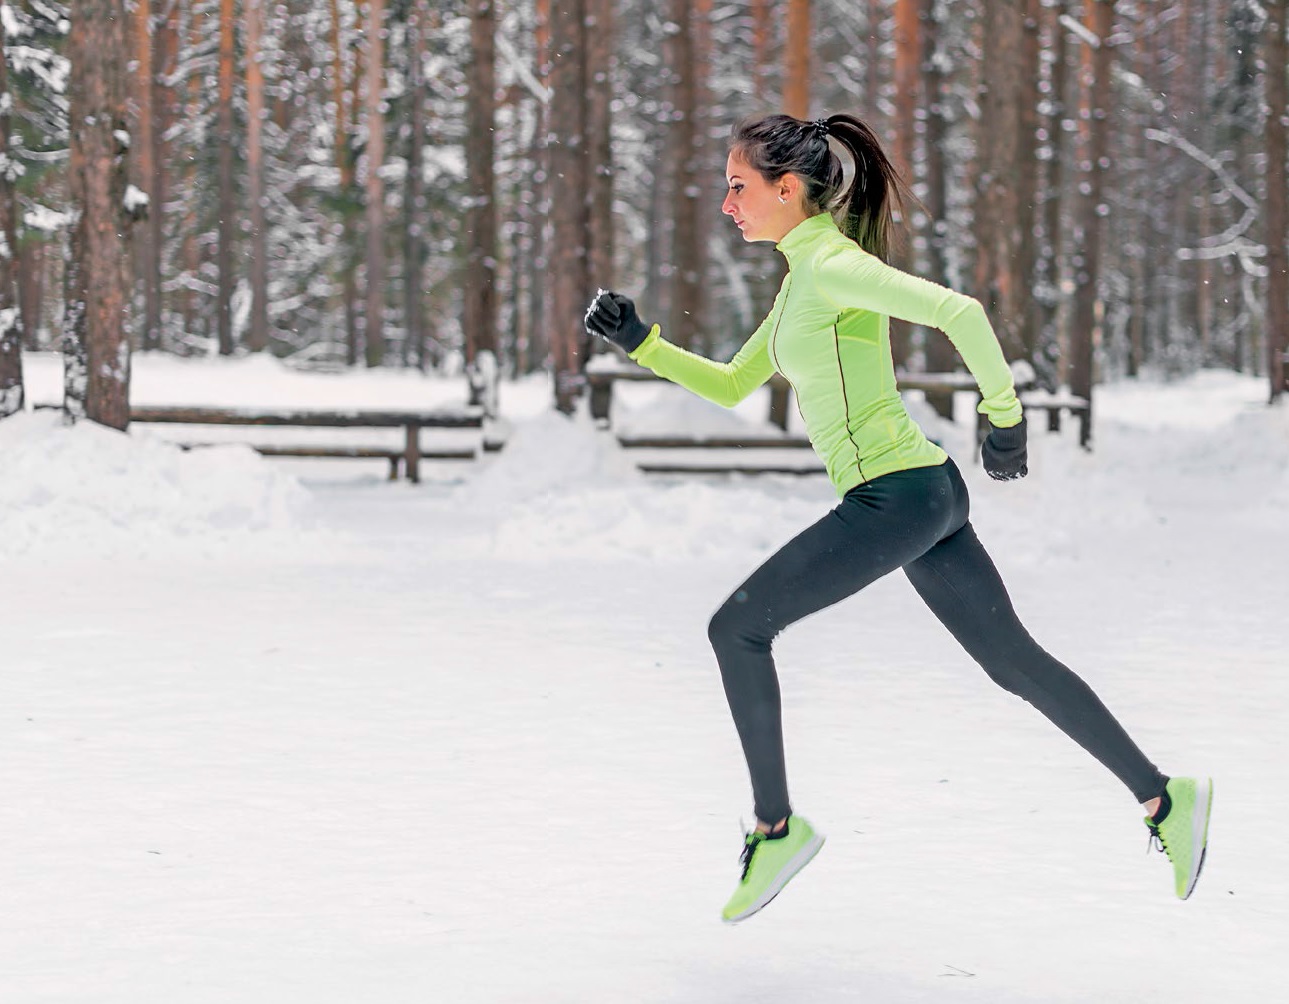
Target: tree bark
x=11, y=387
x=599, y=147
x=1099, y=21
x=165, y=56
x=1025, y=267
x=258, y=337
x=570, y=279
x=147, y=253
x=227, y=204
x=760, y=52
x=683, y=206
x=1277, y=62
x=1047, y=359
x=480, y=286
x=534, y=352
x=939, y=352
x=374, y=306
x=796, y=101
x=31, y=289
x=908, y=58
x=999, y=281
x=796, y=60
x=414, y=193
x=96, y=348
x=344, y=104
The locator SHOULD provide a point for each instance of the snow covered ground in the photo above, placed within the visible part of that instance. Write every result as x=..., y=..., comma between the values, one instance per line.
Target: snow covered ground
x=283, y=731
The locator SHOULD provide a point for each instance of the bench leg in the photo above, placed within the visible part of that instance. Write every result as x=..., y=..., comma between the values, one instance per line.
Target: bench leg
x=1053, y=419
x=601, y=401
x=393, y=468
x=1085, y=428
x=412, y=452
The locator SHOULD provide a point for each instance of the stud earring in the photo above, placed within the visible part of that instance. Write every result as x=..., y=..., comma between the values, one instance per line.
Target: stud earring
x=783, y=200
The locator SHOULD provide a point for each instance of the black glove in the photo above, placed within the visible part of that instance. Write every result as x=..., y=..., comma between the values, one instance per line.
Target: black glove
x=613, y=316
x=1003, y=452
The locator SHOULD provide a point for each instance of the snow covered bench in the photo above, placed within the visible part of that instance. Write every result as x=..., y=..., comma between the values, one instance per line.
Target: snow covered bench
x=1054, y=404
x=412, y=422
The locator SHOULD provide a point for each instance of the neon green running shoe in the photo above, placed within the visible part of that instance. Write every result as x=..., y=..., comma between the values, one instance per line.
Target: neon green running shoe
x=1183, y=832
x=769, y=864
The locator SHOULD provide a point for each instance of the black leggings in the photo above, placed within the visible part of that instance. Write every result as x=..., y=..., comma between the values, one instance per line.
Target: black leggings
x=915, y=520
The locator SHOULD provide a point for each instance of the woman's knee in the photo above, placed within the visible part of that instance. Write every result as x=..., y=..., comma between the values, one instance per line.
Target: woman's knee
x=733, y=622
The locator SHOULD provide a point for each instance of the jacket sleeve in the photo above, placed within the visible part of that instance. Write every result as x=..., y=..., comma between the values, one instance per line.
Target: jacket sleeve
x=852, y=278
x=723, y=383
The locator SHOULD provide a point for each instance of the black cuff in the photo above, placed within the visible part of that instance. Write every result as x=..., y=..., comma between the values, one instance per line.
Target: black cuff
x=1009, y=438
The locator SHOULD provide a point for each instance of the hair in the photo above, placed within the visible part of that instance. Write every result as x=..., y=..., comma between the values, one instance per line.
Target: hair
x=775, y=145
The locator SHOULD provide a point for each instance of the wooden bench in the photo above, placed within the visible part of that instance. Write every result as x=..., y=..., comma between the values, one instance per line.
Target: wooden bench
x=1054, y=404
x=412, y=422
x=694, y=444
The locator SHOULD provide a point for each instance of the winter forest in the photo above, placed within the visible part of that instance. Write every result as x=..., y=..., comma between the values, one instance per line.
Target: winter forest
x=409, y=183
x=371, y=633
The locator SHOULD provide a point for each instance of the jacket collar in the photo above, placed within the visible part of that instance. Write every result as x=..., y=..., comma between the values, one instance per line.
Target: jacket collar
x=797, y=241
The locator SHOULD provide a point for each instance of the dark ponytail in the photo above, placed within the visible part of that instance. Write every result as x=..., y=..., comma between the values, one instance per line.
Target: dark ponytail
x=776, y=145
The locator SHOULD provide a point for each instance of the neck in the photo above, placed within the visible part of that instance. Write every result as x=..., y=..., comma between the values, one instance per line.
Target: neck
x=792, y=217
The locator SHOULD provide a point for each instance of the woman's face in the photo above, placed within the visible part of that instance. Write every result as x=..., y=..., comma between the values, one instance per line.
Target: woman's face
x=762, y=210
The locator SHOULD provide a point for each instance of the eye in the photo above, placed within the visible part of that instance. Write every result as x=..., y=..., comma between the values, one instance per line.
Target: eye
x=736, y=189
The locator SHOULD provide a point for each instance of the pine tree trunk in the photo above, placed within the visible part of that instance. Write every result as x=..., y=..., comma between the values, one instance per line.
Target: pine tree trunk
x=414, y=194
x=1047, y=359
x=1025, y=262
x=143, y=150
x=760, y=51
x=536, y=350
x=1099, y=20
x=11, y=387
x=796, y=101
x=683, y=207
x=480, y=286
x=599, y=146
x=192, y=320
x=374, y=305
x=796, y=60
x=31, y=289
x=345, y=104
x=570, y=282
x=258, y=337
x=999, y=280
x=939, y=351
x=96, y=348
x=703, y=171
x=165, y=57
x=228, y=213
x=1277, y=185
x=908, y=57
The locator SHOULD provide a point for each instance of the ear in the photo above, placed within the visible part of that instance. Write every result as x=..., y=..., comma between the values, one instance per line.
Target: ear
x=789, y=185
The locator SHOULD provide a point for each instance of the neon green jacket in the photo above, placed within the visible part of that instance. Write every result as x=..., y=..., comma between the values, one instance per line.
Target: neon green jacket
x=828, y=334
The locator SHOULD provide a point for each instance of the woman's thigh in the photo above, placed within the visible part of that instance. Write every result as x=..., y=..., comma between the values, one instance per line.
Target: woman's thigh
x=876, y=529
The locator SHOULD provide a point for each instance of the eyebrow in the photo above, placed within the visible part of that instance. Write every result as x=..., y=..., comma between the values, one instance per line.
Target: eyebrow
x=733, y=176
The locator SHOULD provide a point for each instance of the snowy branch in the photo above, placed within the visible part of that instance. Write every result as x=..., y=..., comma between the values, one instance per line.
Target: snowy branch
x=1077, y=28
x=1231, y=241
x=520, y=68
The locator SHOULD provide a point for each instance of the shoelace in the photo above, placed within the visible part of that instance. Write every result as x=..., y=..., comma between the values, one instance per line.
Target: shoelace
x=1155, y=841
x=751, y=842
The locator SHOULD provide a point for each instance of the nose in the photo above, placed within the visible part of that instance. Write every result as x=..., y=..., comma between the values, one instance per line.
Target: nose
x=726, y=207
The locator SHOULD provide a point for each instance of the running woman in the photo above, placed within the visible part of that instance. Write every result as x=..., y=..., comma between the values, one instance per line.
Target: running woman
x=903, y=501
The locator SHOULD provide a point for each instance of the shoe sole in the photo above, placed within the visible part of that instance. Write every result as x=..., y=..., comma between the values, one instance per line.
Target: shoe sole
x=794, y=865
x=1199, y=829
